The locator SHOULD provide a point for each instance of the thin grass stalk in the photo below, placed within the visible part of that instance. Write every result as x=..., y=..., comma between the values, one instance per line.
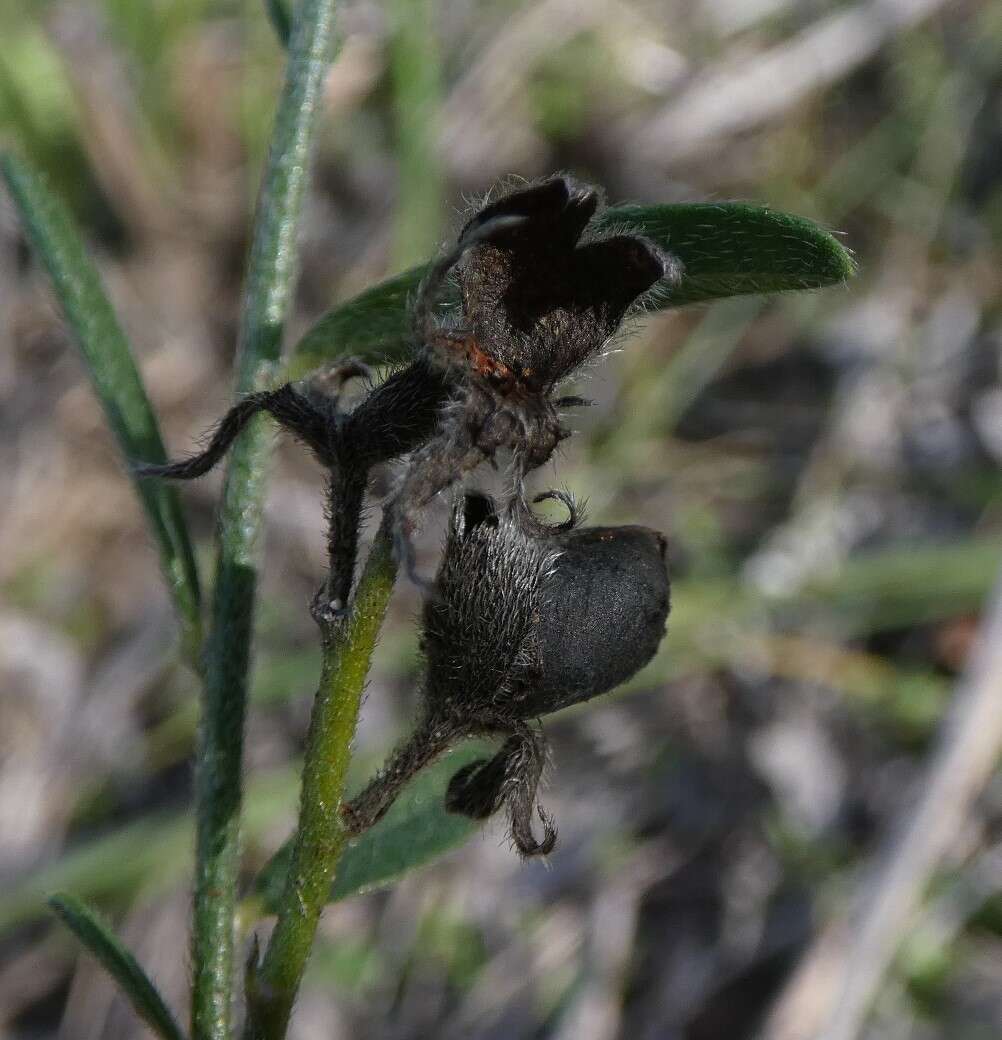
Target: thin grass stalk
x=268, y=295
x=416, y=78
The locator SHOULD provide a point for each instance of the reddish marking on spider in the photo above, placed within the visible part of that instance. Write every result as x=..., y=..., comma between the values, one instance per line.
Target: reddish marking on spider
x=477, y=359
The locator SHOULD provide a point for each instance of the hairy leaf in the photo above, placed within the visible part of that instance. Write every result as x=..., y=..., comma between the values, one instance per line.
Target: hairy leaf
x=119, y=963
x=726, y=249
x=734, y=248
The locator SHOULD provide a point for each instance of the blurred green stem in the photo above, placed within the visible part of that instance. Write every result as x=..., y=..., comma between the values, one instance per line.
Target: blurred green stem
x=266, y=302
x=320, y=836
x=414, y=67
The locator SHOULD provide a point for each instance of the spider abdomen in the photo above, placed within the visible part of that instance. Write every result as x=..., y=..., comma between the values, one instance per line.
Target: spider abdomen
x=602, y=617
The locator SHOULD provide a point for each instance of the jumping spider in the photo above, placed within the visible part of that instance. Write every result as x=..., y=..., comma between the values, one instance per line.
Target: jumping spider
x=524, y=619
x=540, y=297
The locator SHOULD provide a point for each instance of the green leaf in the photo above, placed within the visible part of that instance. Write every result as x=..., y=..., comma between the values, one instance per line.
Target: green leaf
x=415, y=831
x=148, y=855
x=373, y=326
x=734, y=248
x=726, y=249
x=268, y=297
x=119, y=963
x=113, y=374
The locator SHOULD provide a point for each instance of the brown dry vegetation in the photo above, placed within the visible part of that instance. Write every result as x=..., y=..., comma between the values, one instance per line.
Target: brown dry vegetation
x=826, y=469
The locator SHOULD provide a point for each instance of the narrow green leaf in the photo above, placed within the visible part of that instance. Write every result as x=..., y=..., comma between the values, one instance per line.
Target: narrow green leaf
x=726, y=249
x=84, y=923
x=280, y=18
x=415, y=75
x=415, y=831
x=113, y=373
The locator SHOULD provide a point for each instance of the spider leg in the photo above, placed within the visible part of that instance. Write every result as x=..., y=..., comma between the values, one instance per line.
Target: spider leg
x=525, y=770
x=429, y=740
x=225, y=434
x=437, y=466
x=511, y=778
x=324, y=387
x=292, y=410
x=345, y=497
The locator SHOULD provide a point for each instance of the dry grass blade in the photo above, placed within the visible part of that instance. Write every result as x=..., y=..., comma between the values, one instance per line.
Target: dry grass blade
x=830, y=994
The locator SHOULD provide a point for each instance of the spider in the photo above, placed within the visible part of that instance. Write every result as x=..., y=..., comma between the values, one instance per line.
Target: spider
x=540, y=297
x=525, y=620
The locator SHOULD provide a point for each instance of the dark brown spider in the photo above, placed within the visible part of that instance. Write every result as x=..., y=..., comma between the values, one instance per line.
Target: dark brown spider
x=540, y=298
x=523, y=620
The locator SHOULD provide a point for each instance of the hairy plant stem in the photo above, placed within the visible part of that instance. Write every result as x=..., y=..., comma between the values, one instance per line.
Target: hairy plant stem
x=268, y=295
x=321, y=835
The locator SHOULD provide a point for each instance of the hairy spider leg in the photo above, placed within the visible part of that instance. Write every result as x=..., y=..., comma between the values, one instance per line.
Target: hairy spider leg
x=525, y=770
x=224, y=435
x=438, y=465
x=511, y=779
x=312, y=417
x=430, y=739
x=315, y=418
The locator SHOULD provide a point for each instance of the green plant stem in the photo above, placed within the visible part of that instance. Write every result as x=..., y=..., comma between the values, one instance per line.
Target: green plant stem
x=414, y=69
x=268, y=295
x=320, y=835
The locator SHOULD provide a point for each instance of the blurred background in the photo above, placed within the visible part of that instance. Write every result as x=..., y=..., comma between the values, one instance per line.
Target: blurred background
x=825, y=467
